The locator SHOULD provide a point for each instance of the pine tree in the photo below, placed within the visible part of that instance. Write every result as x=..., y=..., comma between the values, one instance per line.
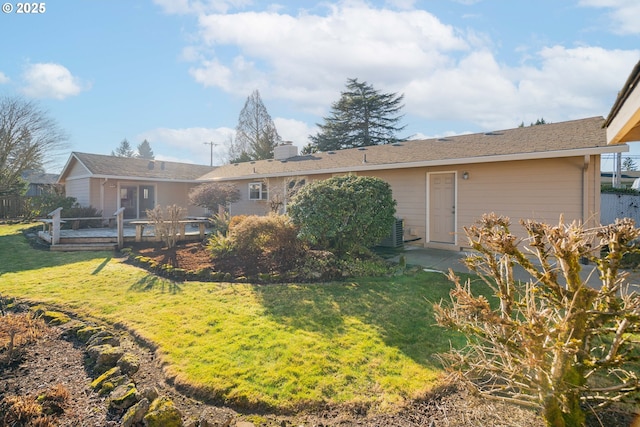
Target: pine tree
x=145, y=151
x=361, y=117
x=124, y=150
x=256, y=134
x=629, y=165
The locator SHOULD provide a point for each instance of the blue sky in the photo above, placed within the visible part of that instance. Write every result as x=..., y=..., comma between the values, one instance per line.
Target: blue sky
x=177, y=72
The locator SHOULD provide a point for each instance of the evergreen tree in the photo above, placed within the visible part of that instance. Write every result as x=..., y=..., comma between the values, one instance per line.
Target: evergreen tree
x=145, y=151
x=124, y=150
x=256, y=134
x=629, y=165
x=362, y=116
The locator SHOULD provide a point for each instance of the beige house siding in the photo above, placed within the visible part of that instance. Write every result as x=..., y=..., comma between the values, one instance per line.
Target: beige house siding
x=78, y=188
x=409, y=187
x=170, y=193
x=517, y=189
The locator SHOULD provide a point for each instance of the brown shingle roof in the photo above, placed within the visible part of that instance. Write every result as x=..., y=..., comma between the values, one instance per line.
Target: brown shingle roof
x=549, y=140
x=130, y=167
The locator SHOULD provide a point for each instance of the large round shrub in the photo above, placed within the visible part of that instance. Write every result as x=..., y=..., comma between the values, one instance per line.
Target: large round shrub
x=344, y=212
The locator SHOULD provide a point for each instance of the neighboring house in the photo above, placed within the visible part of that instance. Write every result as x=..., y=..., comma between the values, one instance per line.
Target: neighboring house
x=40, y=183
x=108, y=183
x=442, y=185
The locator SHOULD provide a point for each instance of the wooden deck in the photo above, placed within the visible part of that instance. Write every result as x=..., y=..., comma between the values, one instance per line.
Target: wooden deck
x=107, y=238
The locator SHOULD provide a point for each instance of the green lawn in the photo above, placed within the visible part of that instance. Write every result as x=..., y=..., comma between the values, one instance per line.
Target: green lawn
x=368, y=341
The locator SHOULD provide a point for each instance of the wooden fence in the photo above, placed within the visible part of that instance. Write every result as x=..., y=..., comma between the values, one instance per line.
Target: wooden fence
x=13, y=207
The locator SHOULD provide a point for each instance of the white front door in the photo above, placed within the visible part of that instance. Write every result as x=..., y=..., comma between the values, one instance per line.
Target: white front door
x=442, y=207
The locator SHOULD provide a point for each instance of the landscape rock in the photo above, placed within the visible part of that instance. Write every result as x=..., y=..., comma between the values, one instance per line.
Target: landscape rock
x=150, y=393
x=163, y=413
x=98, y=382
x=84, y=334
x=123, y=397
x=129, y=363
x=104, y=356
x=103, y=337
x=136, y=413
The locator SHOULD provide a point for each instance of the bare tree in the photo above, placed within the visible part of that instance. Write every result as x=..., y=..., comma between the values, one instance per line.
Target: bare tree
x=256, y=134
x=29, y=139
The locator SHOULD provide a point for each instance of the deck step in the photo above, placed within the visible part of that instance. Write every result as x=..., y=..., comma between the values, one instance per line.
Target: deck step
x=73, y=247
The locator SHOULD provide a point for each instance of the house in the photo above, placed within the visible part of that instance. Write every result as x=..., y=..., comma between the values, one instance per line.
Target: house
x=39, y=182
x=108, y=183
x=442, y=185
x=623, y=122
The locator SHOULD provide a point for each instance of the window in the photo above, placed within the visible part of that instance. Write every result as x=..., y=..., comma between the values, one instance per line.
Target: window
x=258, y=191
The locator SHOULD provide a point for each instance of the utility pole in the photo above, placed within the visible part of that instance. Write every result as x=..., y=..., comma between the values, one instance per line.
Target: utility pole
x=211, y=144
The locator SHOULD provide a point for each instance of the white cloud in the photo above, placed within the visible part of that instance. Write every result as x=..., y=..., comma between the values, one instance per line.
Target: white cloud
x=3, y=78
x=192, y=141
x=564, y=84
x=625, y=14
x=49, y=80
x=310, y=56
x=445, y=73
x=293, y=130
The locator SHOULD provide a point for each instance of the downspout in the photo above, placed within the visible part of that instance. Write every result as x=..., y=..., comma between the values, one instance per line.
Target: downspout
x=585, y=189
x=104, y=182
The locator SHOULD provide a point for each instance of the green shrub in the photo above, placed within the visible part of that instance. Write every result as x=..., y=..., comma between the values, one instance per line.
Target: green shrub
x=344, y=213
x=262, y=244
x=41, y=206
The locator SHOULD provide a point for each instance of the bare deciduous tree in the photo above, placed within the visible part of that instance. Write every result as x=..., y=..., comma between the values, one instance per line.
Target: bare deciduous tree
x=29, y=139
x=166, y=223
x=553, y=342
x=256, y=134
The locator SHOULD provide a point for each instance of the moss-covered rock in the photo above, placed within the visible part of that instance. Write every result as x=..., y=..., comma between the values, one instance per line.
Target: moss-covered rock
x=163, y=413
x=84, y=334
x=111, y=373
x=136, y=413
x=123, y=397
x=55, y=318
x=104, y=356
x=103, y=337
x=129, y=363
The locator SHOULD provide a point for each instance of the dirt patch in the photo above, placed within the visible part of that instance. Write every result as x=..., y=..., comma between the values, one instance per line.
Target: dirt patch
x=190, y=256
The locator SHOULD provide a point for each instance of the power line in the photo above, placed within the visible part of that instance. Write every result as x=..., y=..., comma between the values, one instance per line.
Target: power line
x=210, y=144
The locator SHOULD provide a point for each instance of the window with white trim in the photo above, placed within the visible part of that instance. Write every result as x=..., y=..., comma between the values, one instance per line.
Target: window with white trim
x=258, y=191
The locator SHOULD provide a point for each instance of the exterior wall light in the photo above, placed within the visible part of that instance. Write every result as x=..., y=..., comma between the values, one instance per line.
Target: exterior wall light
x=465, y=175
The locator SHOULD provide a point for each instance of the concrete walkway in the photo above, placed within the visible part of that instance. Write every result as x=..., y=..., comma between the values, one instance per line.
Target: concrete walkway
x=442, y=260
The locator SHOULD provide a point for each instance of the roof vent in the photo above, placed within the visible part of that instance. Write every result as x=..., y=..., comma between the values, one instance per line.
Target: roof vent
x=445, y=139
x=493, y=133
x=331, y=152
x=362, y=148
x=396, y=144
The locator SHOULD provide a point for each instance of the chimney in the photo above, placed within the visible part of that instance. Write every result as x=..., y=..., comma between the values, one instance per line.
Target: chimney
x=285, y=151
